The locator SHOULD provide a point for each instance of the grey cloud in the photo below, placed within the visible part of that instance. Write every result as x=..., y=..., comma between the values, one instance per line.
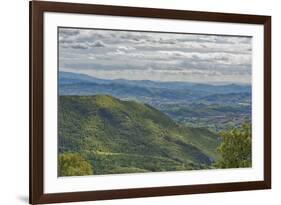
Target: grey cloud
x=78, y=46
x=159, y=56
x=81, y=45
x=98, y=44
x=68, y=32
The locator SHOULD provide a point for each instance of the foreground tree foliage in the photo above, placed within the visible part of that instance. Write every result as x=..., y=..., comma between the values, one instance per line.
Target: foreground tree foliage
x=73, y=164
x=236, y=148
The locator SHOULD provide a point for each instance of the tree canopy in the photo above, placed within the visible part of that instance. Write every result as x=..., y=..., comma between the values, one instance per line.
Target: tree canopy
x=73, y=164
x=236, y=147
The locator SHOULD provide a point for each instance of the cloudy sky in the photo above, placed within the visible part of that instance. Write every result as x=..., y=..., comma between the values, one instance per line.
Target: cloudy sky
x=155, y=56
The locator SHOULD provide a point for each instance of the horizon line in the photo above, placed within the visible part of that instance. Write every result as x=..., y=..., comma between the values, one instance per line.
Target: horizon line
x=159, y=81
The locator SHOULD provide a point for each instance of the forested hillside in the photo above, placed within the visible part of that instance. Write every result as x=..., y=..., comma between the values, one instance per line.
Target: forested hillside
x=116, y=136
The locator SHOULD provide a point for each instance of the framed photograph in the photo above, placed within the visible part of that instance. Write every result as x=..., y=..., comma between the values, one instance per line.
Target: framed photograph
x=139, y=102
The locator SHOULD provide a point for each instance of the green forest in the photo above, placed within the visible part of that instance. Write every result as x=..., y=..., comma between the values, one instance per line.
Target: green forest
x=101, y=134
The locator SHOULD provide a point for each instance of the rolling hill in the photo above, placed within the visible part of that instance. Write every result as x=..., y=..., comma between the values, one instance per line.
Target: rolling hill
x=81, y=84
x=119, y=136
x=73, y=78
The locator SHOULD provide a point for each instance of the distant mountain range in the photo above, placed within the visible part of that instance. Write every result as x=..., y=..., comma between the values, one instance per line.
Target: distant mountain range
x=81, y=84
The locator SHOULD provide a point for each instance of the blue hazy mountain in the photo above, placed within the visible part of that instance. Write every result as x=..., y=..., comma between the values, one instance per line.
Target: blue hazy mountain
x=74, y=78
x=81, y=84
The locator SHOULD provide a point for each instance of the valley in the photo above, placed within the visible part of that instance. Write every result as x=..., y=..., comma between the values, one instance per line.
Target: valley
x=216, y=107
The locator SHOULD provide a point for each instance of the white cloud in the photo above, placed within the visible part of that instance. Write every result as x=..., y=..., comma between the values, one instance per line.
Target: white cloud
x=156, y=56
